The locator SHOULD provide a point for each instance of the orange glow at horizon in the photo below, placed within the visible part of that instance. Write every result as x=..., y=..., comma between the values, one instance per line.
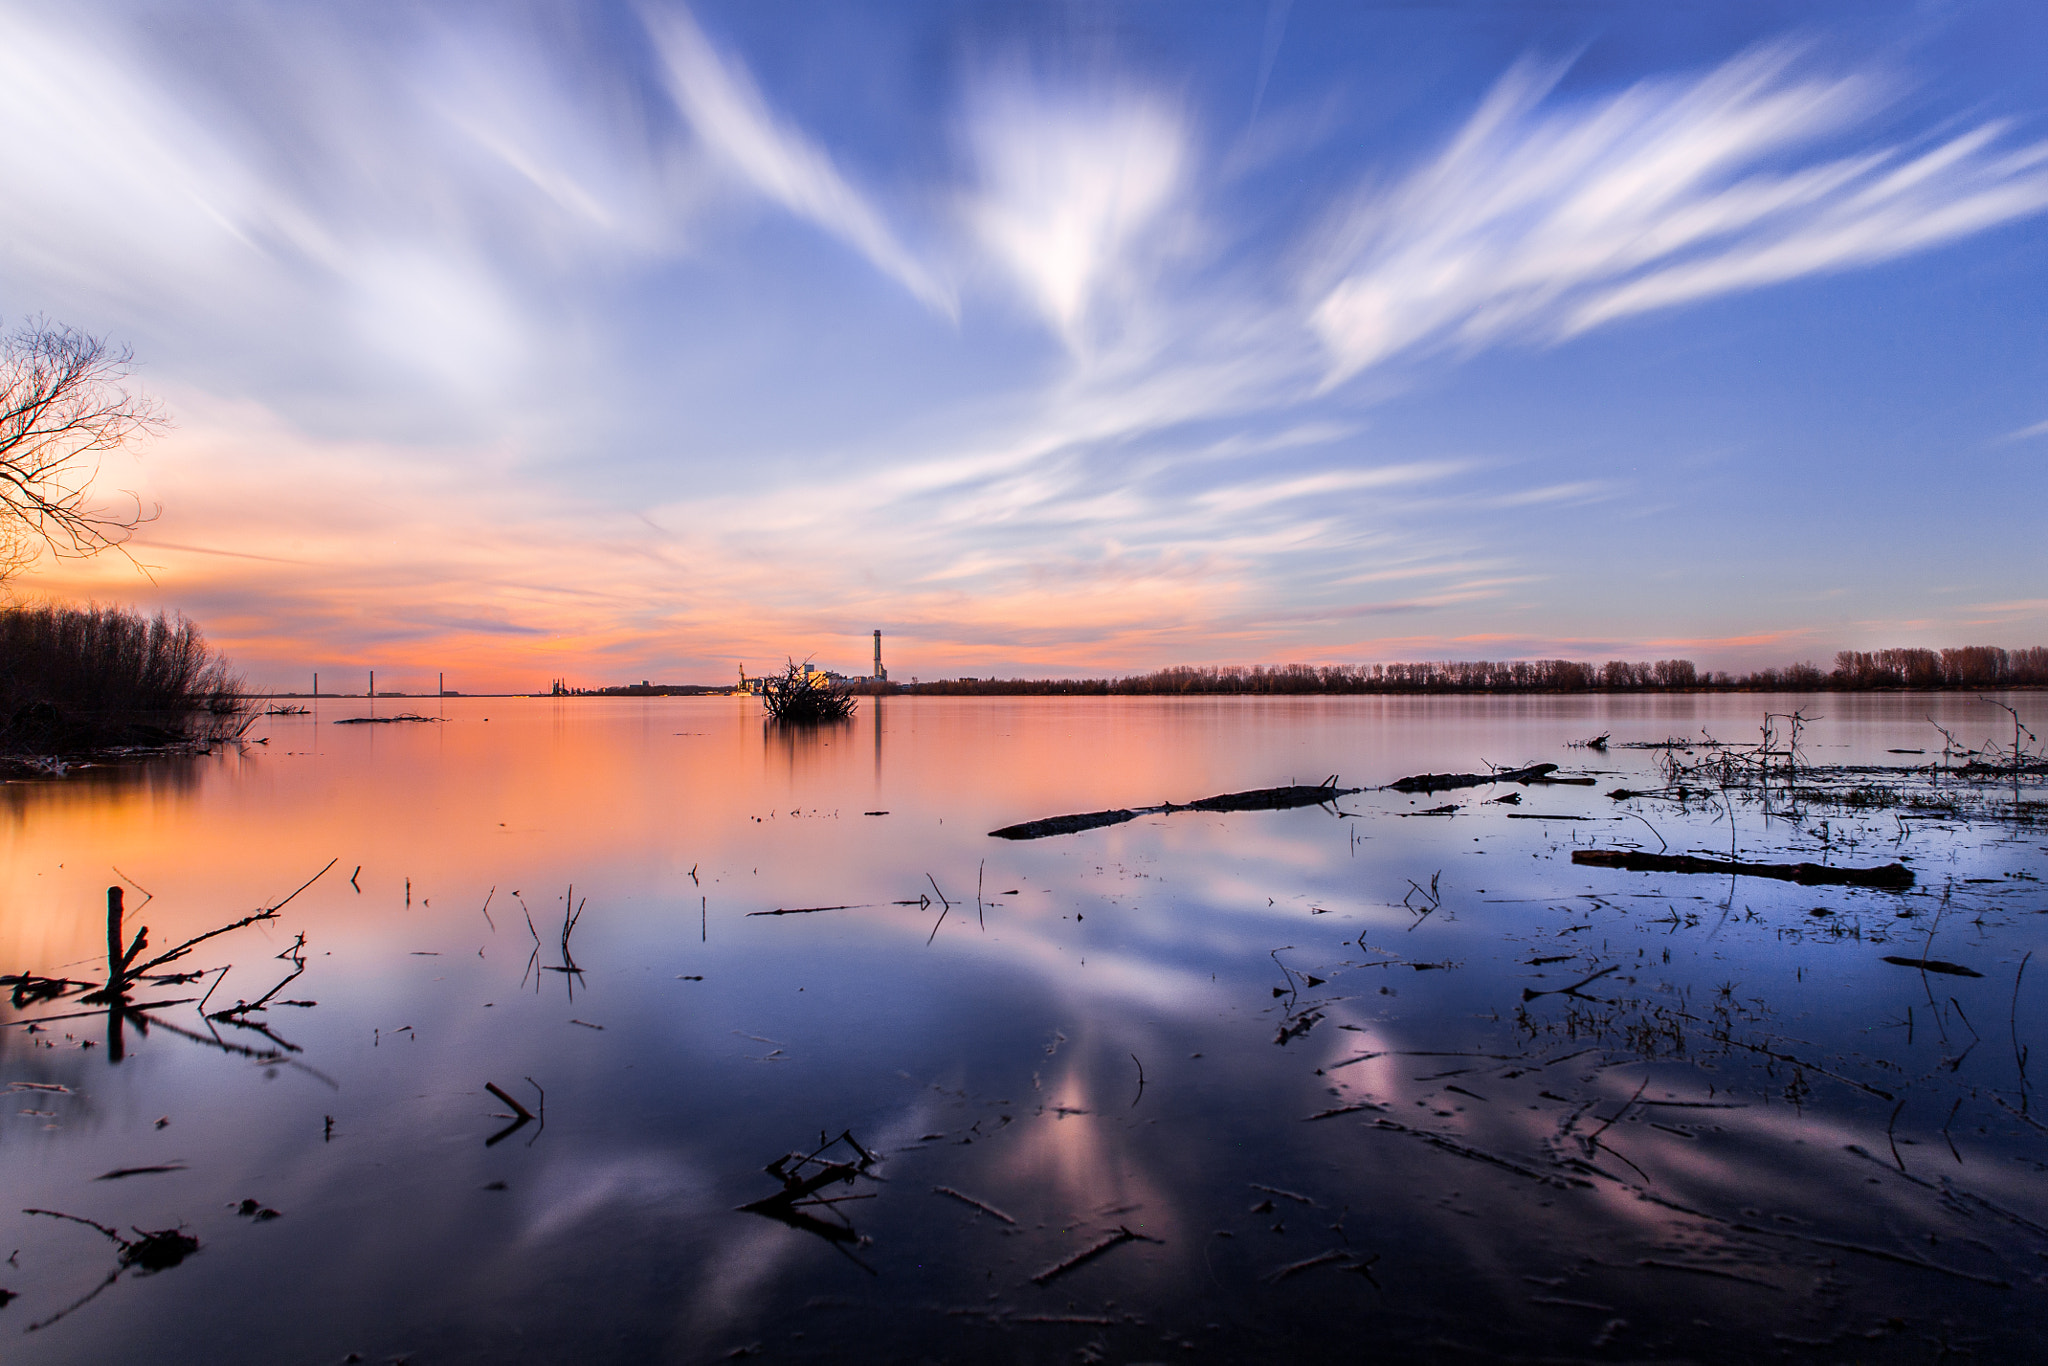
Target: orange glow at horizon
x=298, y=555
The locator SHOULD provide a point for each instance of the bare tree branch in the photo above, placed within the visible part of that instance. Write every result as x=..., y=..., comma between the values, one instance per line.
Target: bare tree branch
x=64, y=405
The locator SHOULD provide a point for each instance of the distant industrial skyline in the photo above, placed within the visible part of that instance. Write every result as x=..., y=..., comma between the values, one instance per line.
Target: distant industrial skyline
x=632, y=341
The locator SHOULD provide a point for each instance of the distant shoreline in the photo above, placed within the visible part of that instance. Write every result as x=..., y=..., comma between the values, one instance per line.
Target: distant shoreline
x=1968, y=668
x=1030, y=688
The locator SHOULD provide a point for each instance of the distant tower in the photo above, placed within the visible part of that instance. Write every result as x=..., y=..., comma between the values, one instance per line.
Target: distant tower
x=881, y=674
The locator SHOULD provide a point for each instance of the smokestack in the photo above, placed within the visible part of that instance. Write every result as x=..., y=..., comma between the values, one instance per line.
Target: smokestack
x=881, y=675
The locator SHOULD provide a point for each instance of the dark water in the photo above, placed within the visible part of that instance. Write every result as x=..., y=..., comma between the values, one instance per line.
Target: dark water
x=1752, y=1139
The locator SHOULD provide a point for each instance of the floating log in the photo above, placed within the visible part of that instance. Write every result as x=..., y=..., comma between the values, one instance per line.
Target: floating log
x=1257, y=799
x=1439, y=782
x=1063, y=825
x=1891, y=875
x=1270, y=798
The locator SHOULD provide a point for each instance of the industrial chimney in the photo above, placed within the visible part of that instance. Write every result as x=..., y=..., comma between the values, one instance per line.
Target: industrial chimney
x=881, y=674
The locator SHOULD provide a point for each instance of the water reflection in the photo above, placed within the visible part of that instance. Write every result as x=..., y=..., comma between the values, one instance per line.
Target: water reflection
x=1275, y=1077
x=97, y=786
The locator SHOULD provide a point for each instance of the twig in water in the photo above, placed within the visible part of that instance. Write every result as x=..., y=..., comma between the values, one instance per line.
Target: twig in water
x=1117, y=1239
x=1278, y=1274
x=1594, y=1137
x=129, y=974
x=518, y=1110
x=942, y=914
x=985, y=1208
x=290, y=955
x=1530, y=993
x=1944, y=1131
x=487, y=909
x=521, y=1116
x=2019, y=1054
x=1141, y=1082
x=802, y=1177
x=147, y=895
x=1665, y=848
x=152, y=1251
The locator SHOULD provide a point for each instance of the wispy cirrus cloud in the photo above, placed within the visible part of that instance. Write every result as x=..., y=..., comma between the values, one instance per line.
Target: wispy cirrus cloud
x=1539, y=222
x=1071, y=185
x=719, y=98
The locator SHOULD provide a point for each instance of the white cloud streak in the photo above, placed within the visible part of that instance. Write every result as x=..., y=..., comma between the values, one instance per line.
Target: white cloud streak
x=727, y=111
x=1538, y=225
x=1069, y=187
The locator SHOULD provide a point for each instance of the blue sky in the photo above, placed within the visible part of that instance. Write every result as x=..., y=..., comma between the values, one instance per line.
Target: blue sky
x=643, y=340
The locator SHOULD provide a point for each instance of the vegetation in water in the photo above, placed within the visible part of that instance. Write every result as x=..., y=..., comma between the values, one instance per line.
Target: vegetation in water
x=800, y=695
x=77, y=679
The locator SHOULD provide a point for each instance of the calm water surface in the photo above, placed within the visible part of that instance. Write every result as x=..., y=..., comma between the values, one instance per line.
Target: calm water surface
x=1295, y=1053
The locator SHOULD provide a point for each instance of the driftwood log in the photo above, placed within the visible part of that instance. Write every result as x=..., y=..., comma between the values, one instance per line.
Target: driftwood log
x=1257, y=799
x=1892, y=875
x=1441, y=782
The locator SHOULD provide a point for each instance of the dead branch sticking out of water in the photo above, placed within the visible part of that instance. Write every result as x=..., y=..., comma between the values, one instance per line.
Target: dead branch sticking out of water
x=802, y=1176
x=385, y=720
x=1256, y=799
x=1890, y=875
x=572, y=914
x=146, y=1253
x=293, y=955
x=124, y=975
x=802, y=696
x=520, y=1116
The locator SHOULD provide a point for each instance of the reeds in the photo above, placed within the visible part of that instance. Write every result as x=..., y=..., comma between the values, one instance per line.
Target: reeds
x=82, y=678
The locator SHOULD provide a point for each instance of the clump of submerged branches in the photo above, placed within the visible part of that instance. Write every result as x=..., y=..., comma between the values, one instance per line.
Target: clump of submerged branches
x=1991, y=780
x=78, y=679
x=801, y=695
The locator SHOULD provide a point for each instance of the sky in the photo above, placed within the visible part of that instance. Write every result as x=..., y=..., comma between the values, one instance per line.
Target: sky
x=614, y=342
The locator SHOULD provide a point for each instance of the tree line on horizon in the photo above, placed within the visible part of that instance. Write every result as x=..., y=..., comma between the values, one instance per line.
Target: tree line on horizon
x=1970, y=666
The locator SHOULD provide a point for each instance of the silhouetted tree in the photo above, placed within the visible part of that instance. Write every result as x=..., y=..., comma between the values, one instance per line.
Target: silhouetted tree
x=63, y=405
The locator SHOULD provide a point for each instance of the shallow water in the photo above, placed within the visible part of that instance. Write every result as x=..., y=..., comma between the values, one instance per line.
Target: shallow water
x=1753, y=1137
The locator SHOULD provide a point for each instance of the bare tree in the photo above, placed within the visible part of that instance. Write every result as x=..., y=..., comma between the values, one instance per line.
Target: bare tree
x=63, y=405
